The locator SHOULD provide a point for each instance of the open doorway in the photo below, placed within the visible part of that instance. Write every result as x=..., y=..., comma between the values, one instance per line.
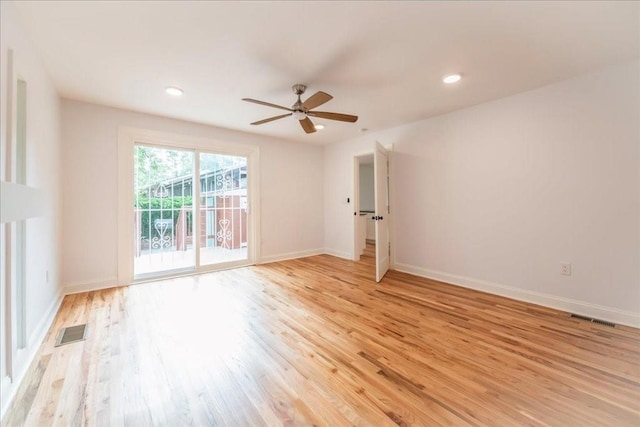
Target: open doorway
x=365, y=207
x=372, y=209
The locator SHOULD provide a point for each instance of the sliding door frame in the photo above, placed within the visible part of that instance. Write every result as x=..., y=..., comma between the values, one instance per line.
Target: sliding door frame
x=127, y=138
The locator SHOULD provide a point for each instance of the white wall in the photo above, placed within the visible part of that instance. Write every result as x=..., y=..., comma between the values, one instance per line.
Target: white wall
x=496, y=196
x=43, y=148
x=291, y=190
x=367, y=199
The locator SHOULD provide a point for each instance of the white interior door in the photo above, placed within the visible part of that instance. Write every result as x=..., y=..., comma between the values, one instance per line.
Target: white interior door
x=381, y=189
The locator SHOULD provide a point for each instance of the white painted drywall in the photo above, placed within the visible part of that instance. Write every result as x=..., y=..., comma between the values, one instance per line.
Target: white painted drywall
x=43, y=148
x=496, y=196
x=367, y=194
x=291, y=189
x=29, y=206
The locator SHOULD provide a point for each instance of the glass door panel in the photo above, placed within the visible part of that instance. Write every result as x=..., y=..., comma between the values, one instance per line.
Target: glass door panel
x=163, y=210
x=223, y=208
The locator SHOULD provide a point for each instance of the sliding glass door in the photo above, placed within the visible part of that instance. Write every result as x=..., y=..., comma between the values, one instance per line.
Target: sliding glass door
x=168, y=236
x=223, y=208
x=163, y=210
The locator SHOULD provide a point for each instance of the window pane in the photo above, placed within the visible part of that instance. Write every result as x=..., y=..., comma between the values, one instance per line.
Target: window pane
x=163, y=210
x=223, y=208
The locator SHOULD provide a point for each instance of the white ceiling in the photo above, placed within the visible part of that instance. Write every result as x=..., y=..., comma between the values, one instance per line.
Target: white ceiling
x=382, y=61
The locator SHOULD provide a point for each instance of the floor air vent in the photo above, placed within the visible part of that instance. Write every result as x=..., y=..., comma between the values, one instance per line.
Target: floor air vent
x=592, y=320
x=72, y=334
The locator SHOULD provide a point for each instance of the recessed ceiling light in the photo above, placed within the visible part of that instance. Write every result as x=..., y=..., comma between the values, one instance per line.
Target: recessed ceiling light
x=174, y=91
x=319, y=127
x=451, y=78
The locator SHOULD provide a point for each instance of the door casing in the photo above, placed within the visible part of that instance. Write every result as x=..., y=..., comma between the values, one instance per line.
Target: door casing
x=355, y=255
x=127, y=138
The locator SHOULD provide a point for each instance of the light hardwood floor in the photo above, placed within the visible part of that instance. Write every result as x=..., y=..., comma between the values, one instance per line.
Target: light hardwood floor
x=316, y=341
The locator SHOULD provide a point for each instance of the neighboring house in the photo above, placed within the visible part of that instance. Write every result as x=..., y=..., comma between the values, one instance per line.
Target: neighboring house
x=223, y=211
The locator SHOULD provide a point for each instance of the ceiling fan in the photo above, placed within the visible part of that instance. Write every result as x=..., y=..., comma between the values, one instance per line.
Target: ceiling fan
x=302, y=110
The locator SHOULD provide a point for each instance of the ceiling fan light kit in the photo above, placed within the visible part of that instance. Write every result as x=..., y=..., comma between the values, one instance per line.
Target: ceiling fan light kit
x=302, y=110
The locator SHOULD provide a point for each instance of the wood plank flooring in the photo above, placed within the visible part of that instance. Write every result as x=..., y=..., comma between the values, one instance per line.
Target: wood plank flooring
x=316, y=341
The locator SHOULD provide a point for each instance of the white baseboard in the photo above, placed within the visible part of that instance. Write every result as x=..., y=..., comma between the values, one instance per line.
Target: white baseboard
x=560, y=303
x=9, y=386
x=25, y=357
x=5, y=390
x=290, y=255
x=41, y=330
x=91, y=285
x=339, y=254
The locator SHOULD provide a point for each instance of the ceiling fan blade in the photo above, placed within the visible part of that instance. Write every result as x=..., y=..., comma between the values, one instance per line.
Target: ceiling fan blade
x=316, y=100
x=270, y=119
x=268, y=104
x=307, y=125
x=333, y=116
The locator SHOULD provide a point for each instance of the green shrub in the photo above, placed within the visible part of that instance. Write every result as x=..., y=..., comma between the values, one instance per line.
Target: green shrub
x=153, y=208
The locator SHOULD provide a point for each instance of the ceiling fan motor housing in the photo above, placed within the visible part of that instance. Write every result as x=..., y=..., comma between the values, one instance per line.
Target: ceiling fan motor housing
x=299, y=89
x=299, y=113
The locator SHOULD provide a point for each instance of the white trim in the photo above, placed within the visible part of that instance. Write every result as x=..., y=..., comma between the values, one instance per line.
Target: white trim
x=37, y=336
x=291, y=255
x=392, y=206
x=125, y=198
x=8, y=392
x=356, y=208
x=175, y=274
x=196, y=213
x=355, y=256
x=128, y=137
x=27, y=355
x=565, y=304
x=338, y=253
x=30, y=205
x=90, y=285
x=5, y=388
x=355, y=191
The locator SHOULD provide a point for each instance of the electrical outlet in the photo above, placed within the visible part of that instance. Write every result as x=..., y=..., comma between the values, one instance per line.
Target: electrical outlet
x=565, y=269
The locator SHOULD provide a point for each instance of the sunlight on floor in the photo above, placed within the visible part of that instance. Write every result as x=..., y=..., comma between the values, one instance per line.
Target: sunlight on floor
x=175, y=260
